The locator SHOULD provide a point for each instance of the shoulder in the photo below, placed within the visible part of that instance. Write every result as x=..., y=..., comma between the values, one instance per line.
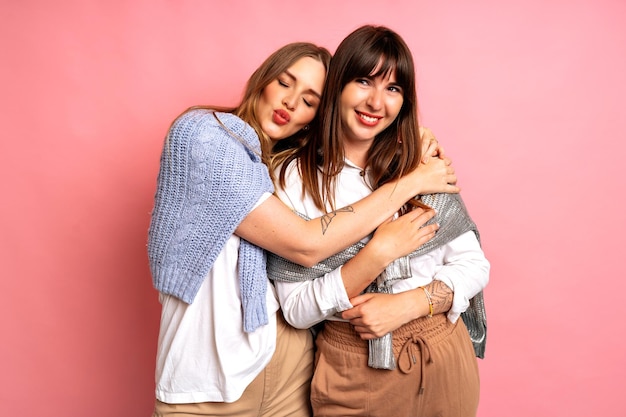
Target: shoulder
x=191, y=119
x=209, y=119
x=291, y=192
x=292, y=173
x=291, y=167
x=441, y=201
x=233, y=125
x=201, y=124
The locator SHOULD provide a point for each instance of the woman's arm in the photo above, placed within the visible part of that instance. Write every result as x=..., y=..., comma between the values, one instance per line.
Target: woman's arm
x=392, y=240
x=463, y=274
x=307, y=303
x=465, y=271
x=274, y=227
x=430, y=145
x=374, y=314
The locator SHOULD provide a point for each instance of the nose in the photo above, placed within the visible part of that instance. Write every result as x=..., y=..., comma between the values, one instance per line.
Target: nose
x=375, y=99
x=290, y=102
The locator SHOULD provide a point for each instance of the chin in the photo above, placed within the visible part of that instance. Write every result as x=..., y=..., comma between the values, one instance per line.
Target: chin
x=280, y=135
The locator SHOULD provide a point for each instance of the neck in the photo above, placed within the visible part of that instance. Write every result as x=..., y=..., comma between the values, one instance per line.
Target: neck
x=357, y=152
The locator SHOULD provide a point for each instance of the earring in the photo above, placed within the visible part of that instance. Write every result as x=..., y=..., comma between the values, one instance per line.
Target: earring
x=305, y=128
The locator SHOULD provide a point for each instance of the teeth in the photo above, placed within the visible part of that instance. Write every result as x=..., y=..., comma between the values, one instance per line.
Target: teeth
x=367, y=118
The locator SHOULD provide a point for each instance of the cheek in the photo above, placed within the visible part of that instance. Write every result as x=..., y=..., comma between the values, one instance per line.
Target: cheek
x=311, y=115
x=261, y=105
x=306, y=116
x=269, y=92
x=397, y=107
x=345, y=107
x=268, y=97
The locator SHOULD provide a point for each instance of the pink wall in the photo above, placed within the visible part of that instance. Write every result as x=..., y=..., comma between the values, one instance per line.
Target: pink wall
x=527, y=97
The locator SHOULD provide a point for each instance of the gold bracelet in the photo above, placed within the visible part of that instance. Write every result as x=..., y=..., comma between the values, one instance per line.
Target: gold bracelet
x=430, y=302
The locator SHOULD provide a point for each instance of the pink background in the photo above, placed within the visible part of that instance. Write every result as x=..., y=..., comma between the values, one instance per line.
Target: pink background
x=526, y=96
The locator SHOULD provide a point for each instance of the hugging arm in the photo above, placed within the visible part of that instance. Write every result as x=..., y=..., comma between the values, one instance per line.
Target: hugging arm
x=463, y=274
x=374, y=314
x=430, y=145
x=274, y=227
x=305, y=304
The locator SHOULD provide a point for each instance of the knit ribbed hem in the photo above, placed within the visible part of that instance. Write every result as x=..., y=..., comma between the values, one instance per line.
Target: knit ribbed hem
x=180, y=284
x=255, y=314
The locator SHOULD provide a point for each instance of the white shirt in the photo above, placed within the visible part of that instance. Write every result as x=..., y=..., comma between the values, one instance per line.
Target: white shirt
x=203, y=353
x=460, y=264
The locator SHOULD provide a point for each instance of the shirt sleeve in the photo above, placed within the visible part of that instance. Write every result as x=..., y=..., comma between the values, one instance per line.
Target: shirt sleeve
x=307, y=303
x=465, y=270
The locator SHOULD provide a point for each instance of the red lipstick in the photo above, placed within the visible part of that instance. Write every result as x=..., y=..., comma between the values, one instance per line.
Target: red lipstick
x=280, y=117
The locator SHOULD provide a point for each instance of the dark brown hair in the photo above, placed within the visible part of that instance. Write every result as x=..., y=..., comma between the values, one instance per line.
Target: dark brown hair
x=395, y=151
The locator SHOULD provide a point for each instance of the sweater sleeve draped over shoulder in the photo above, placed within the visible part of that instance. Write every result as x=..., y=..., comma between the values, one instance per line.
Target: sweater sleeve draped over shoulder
x=211, y=176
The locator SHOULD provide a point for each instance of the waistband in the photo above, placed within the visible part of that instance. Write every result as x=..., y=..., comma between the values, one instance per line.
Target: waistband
x=434, y=329
x=412, y=342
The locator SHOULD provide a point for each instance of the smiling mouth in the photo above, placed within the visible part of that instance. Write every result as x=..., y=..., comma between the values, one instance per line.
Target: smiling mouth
x=370, y=120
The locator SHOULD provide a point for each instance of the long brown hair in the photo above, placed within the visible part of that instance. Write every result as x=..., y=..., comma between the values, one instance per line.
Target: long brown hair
x=395, y=151
x=267, y=72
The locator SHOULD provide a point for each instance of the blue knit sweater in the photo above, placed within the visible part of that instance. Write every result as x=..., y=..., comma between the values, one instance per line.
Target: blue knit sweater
x=209, y=180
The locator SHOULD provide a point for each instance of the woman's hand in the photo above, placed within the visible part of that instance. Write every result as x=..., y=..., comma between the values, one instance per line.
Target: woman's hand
x=435, y=176
x=399, y=237
x=393, y=239
x=430, y=145
x=435, y=173
x=375, y=314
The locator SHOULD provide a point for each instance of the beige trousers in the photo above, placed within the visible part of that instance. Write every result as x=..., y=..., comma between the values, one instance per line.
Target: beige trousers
x=281, y=390
x=436, y=372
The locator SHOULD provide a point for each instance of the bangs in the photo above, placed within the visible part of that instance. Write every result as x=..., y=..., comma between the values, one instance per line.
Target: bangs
x=380, y=61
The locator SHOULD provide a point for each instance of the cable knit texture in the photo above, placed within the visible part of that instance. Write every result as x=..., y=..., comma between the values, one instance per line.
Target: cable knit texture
x=210, y=178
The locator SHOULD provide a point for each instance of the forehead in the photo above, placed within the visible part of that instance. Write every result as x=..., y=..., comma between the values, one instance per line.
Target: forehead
x=309, y=73
x=385, y=69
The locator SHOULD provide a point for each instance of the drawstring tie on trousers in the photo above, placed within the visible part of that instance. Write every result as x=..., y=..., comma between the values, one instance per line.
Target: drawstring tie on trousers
x=408, y=357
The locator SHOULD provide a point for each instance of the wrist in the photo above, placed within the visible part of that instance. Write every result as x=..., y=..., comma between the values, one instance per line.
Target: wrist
x=429, y=297
x=425, y=302
x=413, y=302
x=375, y=252
x=411, y=185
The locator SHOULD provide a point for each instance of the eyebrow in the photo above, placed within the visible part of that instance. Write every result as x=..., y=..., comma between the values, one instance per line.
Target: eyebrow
x=293, y=77
x=395, y=83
